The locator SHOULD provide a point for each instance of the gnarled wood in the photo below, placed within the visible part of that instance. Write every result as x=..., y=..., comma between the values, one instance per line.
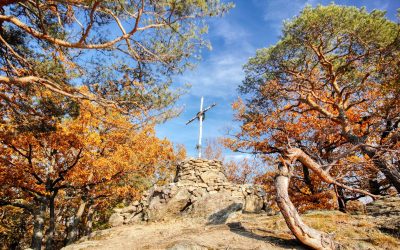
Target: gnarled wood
x=294, y=154
x=306, y=235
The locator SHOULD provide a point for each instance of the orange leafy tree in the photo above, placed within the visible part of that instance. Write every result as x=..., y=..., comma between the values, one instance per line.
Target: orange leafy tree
x=58, y=161
x=64, y=178
x=325, y=99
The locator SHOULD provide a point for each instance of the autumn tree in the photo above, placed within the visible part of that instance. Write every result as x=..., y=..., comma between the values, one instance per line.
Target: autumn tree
x=89, y=162
x=56, y=58
x=325, y=98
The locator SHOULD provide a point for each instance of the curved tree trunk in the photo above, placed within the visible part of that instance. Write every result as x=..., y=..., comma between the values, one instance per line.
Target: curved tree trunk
x=306, y=235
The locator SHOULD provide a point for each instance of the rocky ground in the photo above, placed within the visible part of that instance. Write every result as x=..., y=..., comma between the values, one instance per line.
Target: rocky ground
x=201, y=209
x=184, y=234
x=240, y=231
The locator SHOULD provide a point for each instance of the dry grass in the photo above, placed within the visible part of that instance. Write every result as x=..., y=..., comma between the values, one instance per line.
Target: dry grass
x=351, y=231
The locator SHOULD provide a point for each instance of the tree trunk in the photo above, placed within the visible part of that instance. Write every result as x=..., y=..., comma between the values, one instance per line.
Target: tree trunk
x=340, y=198
x=52, y=224
x=390, y=170
x=307, y=180
x=89, y=220
x=306, y=235
x=73, y=229
x=37, y=236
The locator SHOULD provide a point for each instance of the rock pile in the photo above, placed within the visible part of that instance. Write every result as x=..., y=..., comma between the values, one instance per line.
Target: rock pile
x=200, y=189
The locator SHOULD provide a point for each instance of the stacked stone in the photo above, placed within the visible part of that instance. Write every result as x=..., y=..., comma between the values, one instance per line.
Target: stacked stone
x=199, y=188
x=206, y=174
x=200, y=171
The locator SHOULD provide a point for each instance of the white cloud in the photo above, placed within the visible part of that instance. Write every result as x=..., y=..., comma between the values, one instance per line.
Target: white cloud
x=238, y=157
x=277, y=11
x=219, y=74
x=231, y=32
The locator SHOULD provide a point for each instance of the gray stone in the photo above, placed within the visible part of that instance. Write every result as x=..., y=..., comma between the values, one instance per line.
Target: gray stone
x=253, y=204
x=116, y=219
x=200, y=189
x=174, y=206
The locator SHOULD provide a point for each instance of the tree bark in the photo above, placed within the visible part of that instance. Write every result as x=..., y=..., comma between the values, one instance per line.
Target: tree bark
x=340, y=199
x=89, y=220
x=391, y=172
x=52, y=225
x=307, y=180
x=73, y=229
x=38, y=227
x=306, y=235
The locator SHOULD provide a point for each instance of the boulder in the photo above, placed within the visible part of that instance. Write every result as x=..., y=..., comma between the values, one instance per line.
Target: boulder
x=116, y=219
x=213, y=203
x=253, y=204
x=161, y=210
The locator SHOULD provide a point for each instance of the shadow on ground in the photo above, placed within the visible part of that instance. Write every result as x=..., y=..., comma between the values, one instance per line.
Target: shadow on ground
x=221, y=216
x=267, y=236
x=237, y=228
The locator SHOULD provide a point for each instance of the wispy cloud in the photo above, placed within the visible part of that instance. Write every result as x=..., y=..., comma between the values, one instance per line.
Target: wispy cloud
x=221, y=70
x=231, y=32
x=277, y=11
x=238, y=157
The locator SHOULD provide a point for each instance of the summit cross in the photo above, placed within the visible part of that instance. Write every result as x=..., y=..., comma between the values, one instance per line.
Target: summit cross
x=200, y=116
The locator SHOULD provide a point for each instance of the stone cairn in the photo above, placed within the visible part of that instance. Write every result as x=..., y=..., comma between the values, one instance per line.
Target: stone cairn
x=200, y=189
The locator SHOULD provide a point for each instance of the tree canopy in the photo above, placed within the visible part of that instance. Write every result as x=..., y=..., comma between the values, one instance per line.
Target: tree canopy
x=82, y=86
x=327, y=95
x=122, y=51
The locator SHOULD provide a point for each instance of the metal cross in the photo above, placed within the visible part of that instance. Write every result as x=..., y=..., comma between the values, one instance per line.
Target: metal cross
x=200, y=115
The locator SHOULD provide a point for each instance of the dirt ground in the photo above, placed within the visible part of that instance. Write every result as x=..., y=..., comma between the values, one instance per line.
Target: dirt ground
x=240, y=231
x=182, y=234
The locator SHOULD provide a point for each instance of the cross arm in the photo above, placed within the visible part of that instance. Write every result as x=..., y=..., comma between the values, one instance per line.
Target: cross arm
x=194, y=118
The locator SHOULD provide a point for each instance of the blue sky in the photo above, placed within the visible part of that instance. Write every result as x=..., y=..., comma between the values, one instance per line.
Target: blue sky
x=251, y=25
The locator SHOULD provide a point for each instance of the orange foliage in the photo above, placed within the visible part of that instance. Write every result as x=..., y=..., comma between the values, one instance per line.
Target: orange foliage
x=99, y=158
